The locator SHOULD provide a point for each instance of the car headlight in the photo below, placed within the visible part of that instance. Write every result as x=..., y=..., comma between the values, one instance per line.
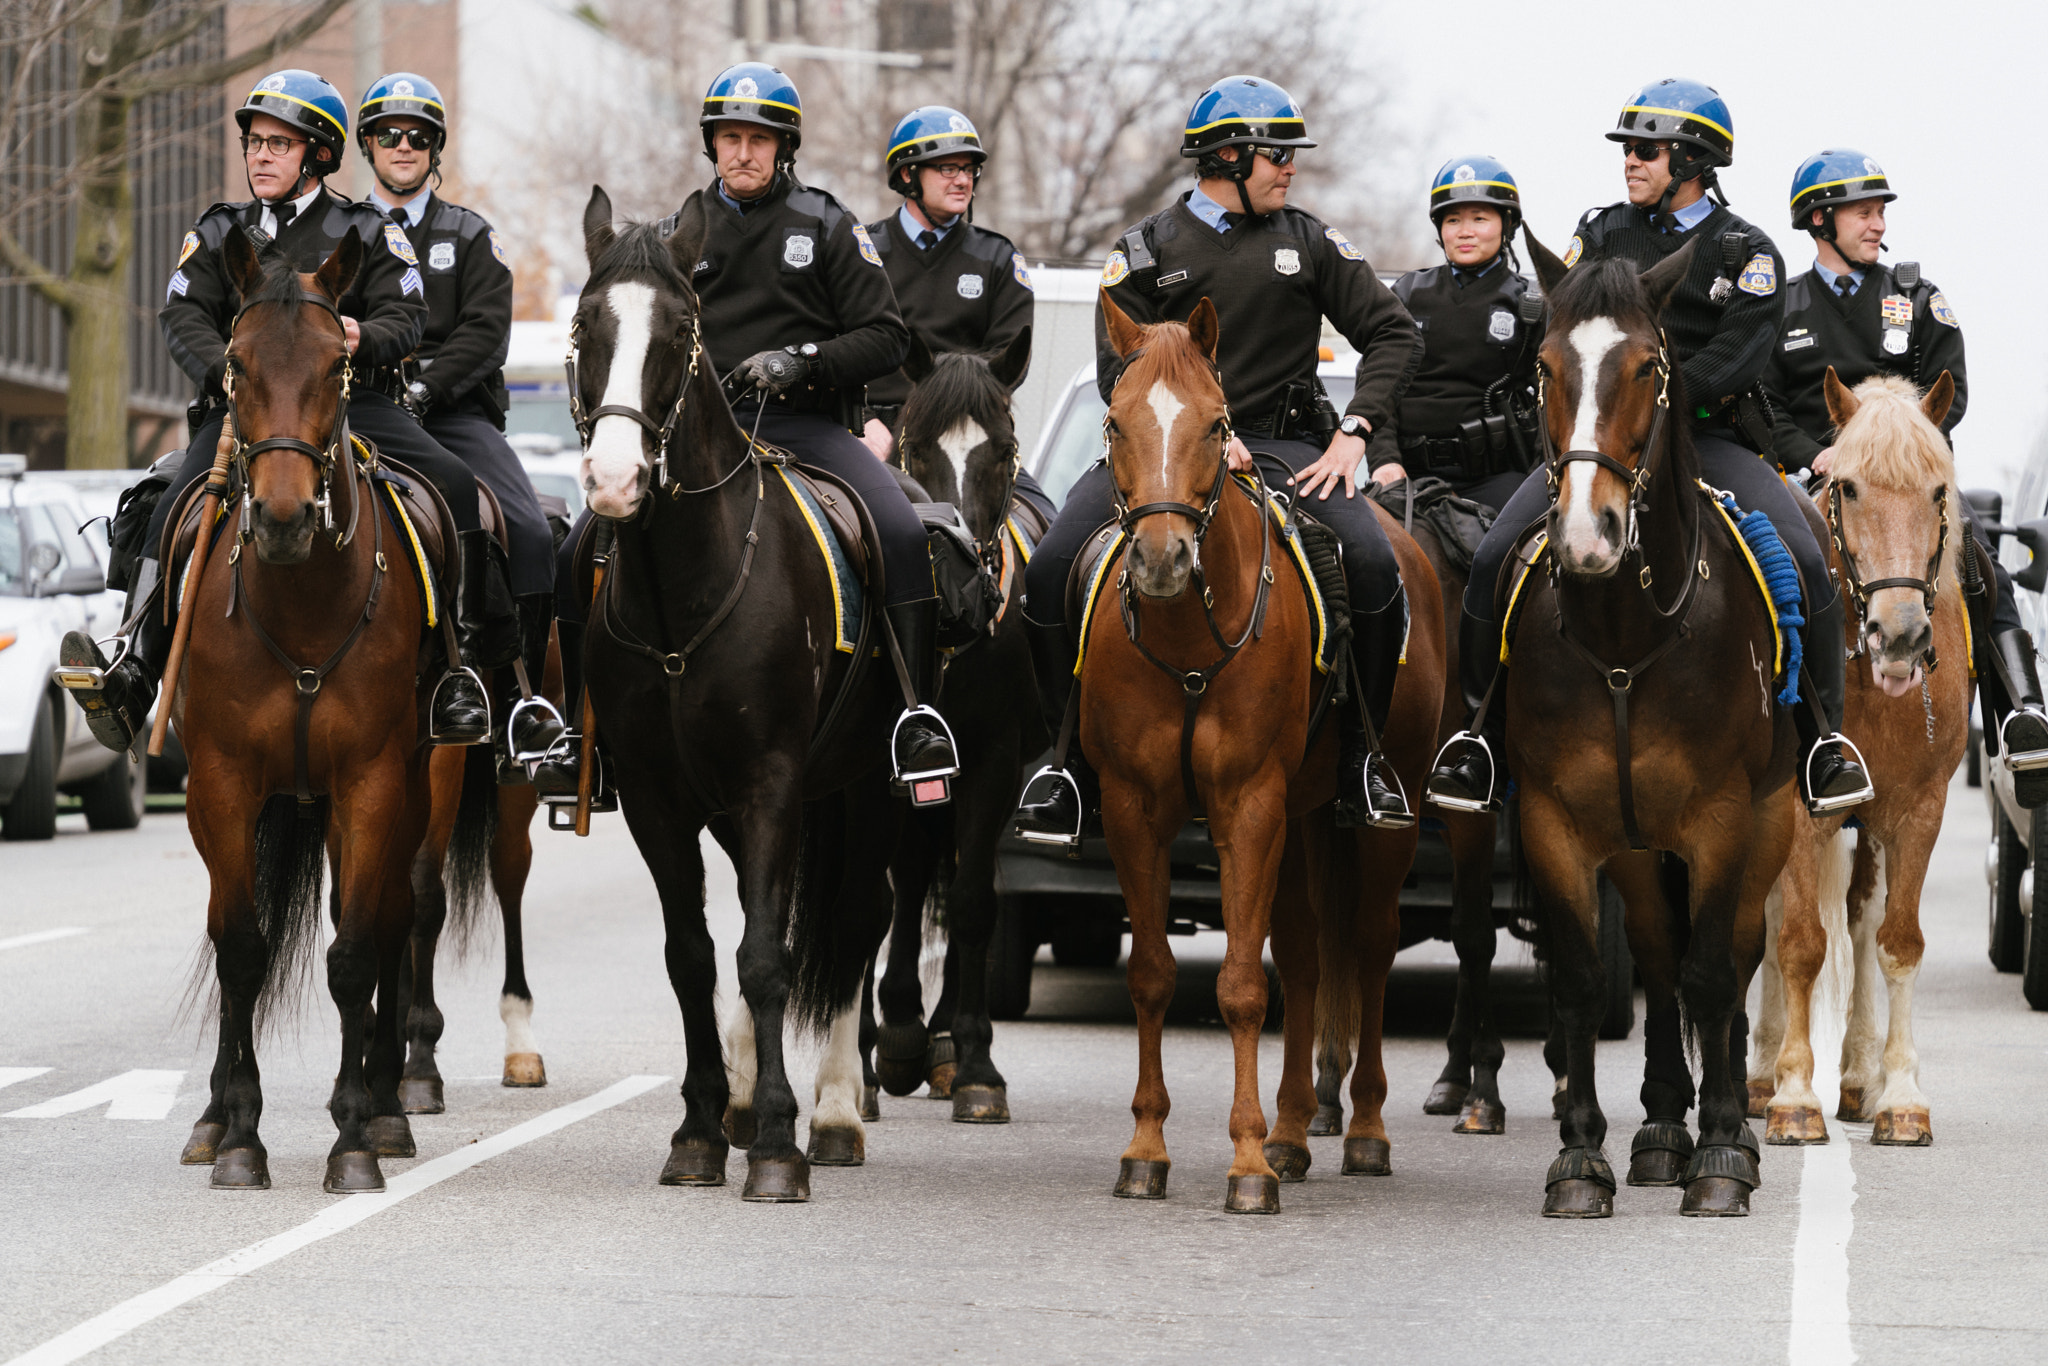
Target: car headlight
x=8, y=635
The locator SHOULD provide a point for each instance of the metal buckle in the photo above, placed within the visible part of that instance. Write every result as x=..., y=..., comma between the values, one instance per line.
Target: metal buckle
x=2026, y=761
x=1072, y=842
x=1821, y=806
x=1431, y=797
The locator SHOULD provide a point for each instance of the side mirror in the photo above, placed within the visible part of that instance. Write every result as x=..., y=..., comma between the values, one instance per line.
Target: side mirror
x=1989, y=505
x=80, y=578
x=42, y=559
x=2034, y=536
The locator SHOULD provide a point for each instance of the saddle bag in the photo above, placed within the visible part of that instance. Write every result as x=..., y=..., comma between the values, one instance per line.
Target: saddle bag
x=968, y=598
x=129, y=529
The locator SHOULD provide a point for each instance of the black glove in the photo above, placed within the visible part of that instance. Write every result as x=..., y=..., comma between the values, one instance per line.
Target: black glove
x=772, y=371
x=416, y=400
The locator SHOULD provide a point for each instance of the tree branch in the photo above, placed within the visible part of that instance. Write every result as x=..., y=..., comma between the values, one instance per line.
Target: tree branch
x=214, y=73
x=34, y=273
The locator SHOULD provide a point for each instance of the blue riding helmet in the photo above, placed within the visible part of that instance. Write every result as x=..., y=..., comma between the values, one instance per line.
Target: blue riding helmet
x=754, y=92
x=401, y=93
x=927, y=134
x=308, y=103
x=1678, y=110
x=1475, y=180
x=1828, y=179
x=1243, y=110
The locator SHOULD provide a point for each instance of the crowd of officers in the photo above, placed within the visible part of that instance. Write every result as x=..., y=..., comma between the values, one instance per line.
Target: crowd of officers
x=808, y=313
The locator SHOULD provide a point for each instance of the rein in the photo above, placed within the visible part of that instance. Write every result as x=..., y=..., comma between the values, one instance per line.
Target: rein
x=1861, y=589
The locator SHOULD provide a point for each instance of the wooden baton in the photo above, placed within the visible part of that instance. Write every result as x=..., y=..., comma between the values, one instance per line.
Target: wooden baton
x=209, y=508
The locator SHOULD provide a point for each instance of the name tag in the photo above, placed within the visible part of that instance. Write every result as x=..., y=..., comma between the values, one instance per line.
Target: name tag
x=1172, y=279
x=1797, y=342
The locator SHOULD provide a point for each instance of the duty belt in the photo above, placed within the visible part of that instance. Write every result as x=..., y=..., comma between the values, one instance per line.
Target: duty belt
x=1472, y=454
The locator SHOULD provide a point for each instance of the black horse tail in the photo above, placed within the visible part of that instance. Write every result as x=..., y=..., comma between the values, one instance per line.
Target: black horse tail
x=818, y=987
x=467, y=868
x=291, y=857
x=937, y=822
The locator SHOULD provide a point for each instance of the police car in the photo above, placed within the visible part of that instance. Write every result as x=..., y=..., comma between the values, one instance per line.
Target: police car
x=2016, y=861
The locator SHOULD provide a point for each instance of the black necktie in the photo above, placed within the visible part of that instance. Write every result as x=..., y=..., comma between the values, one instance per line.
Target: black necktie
x=1845, y=285
x=285, y=214
x=927, y=239
x=1231, y=220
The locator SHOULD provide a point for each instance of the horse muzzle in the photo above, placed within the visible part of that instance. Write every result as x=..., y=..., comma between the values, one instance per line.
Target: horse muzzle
x=614, y=486
x=283, y=539
x=1590, y=542
x=1899, y=643
x=1161, y=563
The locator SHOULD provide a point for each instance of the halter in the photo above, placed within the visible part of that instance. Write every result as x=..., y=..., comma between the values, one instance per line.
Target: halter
x=662, y=433
x=1637, y=479
x=325, y=460
x=1861, y=589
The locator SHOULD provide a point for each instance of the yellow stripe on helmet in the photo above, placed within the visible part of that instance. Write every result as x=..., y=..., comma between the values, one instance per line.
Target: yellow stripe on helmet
x=1239, y=118
x=294, y=99
x=752, y=99
x=1680, y=114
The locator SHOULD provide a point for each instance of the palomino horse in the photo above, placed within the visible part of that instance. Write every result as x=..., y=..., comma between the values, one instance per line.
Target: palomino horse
x=712, y=662
x=1202, y=703
x=319, y=632
x=1894, y=537
x=960, y=446
x=1616, y=673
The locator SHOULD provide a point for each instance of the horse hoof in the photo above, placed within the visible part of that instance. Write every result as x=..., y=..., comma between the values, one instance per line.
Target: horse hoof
x=1140, y=1179
x=1902, y=1129
x=870, y=1103
x=900, y=1051
x=941, y=1065
x=389, y=1136
x=1578, y=1199
x=1795, y=1125
x=1368, y=1157
x=1851, y=1107
x=695, y=1162
x=777, y=1180
x=1760, y=1093
x=1288, y=1162
x=242, y=1169
x=422, y=1095
x=837, y=1147
x=940, y=1083
x=1328, y=1123
x=1658, y=1154
x=348, y=1174
x=1482, y=1116
x=1253, y=1193
x=1445, y=1098
x=740, y=1128
x=978, y=1104
x=524, y=1069
x=1716, y=1197
x=199, y=1149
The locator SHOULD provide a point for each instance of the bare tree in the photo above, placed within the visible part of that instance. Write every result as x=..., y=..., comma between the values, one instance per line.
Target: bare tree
x=110, y=56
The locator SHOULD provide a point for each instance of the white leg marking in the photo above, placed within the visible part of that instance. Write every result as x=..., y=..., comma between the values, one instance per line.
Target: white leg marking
x=1592, y=339
x=518, y=1017
x=837, y=1091
x=613, y=461
x=1166, y=410
x=1901, y=1058
x=958, y=442
x=739, y=1055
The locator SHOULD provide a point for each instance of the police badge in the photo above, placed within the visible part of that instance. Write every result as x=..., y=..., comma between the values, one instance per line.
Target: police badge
x=798, y=251
x=396, y=243
x=969, y=286
x=1501, y=325
x=1759, y=277
x=1115, y=269
x=1938, y=306
x=441, y=256
x=1287, y=260
x=1343, y=244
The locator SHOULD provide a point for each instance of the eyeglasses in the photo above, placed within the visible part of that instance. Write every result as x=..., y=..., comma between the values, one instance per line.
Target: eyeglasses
x=419, y=139
x=1279, y=156
x=278, y=145
x=1645, y=152
x=960, y=172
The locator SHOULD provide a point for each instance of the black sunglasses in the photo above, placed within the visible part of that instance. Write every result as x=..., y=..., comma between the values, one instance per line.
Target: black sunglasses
x=1645, y=152
x=1279, y=156
x=419, y=139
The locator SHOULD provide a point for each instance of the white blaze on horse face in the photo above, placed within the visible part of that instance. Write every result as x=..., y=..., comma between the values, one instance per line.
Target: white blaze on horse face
x=614, y=462
x=1166, y=410
x=1580, y=531
x=958, y=442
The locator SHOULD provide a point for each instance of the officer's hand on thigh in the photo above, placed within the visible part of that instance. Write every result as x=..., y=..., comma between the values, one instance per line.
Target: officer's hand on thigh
x=875, y=436
x=1339, y=462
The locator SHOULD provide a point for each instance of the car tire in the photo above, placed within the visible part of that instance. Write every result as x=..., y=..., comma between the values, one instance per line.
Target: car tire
x=1088, y=935
x=32, y=813
x=1010, y=950
x=116, y=796
x=1619, y=1019
x=2008, y=919
x=2034, y=953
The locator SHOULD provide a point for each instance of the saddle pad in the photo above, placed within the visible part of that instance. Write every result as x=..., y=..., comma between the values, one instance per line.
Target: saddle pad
x=409, y=534
x=848, y=602
x=1024, y=528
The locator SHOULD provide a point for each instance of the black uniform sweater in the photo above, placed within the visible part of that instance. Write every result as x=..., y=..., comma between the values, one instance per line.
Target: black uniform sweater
x=469, y=310
x=1473, y=336
x=970, y=292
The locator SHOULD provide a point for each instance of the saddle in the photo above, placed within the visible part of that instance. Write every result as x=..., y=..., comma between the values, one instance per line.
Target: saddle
x=1459, y=524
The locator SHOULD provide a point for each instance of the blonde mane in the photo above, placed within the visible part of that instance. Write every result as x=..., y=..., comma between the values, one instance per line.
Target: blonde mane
x=1890, y=444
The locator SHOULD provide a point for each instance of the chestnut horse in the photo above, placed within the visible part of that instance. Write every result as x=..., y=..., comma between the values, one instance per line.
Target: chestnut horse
x=1621, y=734
x=318, y=633
x=1202, y=704
x=1895, y=531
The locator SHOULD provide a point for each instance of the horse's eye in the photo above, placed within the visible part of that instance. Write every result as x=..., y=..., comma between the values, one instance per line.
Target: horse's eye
x=1110, y=428
x=1848, y=489
x=1643, y=370
x=1218, y=429
x=1940, y=495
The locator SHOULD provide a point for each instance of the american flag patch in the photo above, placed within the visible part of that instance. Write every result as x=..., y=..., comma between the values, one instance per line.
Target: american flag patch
x=410, y=283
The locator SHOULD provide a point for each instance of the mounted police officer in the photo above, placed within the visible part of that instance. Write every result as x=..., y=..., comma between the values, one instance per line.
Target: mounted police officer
x=1863, y=318
x=294, y=132
x=1469, y=416
x=1273, y=273
x=454, y=381
x=798, y=317
x=1721, y=325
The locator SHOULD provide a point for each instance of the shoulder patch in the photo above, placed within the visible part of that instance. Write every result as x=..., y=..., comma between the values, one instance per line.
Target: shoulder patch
x=1573, y=252
x=867, y=246
x=177, y=287
x=409, y=283
x=1343, y=244
x=191, y=245
x=396, y=243
x=1759, y=277
x=1115, y=269
x=1020, y=270
x=1938, y=306
x=498, y=248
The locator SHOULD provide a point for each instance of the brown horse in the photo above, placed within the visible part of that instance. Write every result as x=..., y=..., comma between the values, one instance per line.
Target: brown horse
x=1202, y=704
x=1894, y=536
x=1626, y=729
x=302, y=681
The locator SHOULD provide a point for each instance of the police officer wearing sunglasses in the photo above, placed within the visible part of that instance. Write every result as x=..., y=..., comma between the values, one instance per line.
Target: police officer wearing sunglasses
x=1273, y=273
x=454, y=384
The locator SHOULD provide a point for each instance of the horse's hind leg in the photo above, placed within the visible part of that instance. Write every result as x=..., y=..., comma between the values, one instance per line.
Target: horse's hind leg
x=1469, y=1086
x=1295, y=954
x=901, y=1040
x=421, y=1088
x=981, y=809
x=1792, y=1110
x=1580, y=1183
x=942, y=1061
x=1662, y=1147
x=1373, y=887
x=1767, y=1032
x=870, y=1034
x=1723, y=1172
x=511, y=861
x=389, y=1133
x=1902, y=1117
x=1860, y=1049
x=862, y=913
x=671, y=848
x=1333, y=1065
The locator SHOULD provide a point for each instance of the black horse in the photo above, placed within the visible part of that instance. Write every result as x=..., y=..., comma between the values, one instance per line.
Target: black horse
x=959, y=445
x=713, y=667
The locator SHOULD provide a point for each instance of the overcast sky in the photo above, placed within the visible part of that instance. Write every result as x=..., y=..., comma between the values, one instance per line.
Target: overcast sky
x=1946, y=97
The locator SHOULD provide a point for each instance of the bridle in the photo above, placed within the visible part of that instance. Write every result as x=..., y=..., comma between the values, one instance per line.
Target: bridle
x=662, y=432
x=1861, y=589
x=324, y=460
x=1637, y=479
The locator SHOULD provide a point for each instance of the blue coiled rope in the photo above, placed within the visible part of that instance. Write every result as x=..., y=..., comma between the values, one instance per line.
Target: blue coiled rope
x=1781, y=579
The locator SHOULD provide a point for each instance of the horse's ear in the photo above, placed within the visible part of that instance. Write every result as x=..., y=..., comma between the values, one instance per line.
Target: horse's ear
x=1124, y=335
x=917, y=361
x=339, y=270
x=245, y=271
x=686, y=243
x=598, y=235
x=1661, y=281
x=1549, y=270
x=1842, y=404
x=1203, y=327
x=1009, y=367
x=1939, y=398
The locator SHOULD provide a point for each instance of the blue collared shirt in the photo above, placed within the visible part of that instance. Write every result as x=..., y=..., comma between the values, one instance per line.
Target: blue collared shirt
x=1693, y=214
x=1208, y=210
x=406, y=215
x=739, y=205
x=912, y=228
x=1466, y=277
x=1828, y=277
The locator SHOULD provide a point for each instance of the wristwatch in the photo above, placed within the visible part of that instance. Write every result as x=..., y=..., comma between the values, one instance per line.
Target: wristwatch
x=1354, y=425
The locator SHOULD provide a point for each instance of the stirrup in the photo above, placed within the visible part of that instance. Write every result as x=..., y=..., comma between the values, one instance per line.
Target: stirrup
x=927, y=787
x=85, y=678
x=1821, y=806
x=524, y=704
x=1379, y=820
x=562, y=805
x=1069, y=842
x=2027, y=760
x=1432, y=797
x=434, y=700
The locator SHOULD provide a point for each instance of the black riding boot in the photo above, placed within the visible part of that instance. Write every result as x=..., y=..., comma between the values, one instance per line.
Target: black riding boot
x=1829, y=779
x=1470, y=768
x=461, y=713
x=1368, y=793
x=1056, y=804
x=2023, y=735
x=922, y=747
x=116, y=698
x=533, y=725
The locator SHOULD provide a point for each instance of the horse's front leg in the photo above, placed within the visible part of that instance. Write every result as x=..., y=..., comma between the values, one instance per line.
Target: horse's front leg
x=981, y=807
x=1792, y=1111
x=1250, y=833
x=901, y=1041
x=368, y=827
x=1469, y=1085
x=1902, y=1116
x=1656, y=929
x=770, y=833
x=226, y=1134
x=1144, y=870
x=421, y=1087
x=1296, y=957
x=511, y=861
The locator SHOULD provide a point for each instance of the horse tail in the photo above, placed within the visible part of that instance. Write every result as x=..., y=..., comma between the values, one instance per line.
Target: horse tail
x=466, y=870
x=1835, y=987
x=817, y=989
x=938, y=832
x=1338, y=1006
x=291, y=856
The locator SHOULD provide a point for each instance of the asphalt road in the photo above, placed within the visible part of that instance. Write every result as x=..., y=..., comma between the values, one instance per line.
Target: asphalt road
x=531, y=1227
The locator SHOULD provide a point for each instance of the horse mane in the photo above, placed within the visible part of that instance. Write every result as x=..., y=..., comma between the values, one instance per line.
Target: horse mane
x=1167, y=352
x=1889, y=441
x=281, y=283
x=640, y=250
x=961, y=384
x=1605, y=288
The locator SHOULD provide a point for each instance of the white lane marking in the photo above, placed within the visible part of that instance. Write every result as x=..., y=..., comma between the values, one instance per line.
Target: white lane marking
x=22, y=941
x=11, y=1075
x=126, y=1317
x=612, y=462
x=1820, y=1255
x=144, y=1093
x=1166, y=409
x=958, y=442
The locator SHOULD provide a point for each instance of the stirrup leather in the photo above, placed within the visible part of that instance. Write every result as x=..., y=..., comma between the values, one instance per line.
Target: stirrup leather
x=530, y=757
x=434, y=700
x=1434, y=798
x=927, y=787
x=1821, y=806
x=1064, y=841
x=2026, y=760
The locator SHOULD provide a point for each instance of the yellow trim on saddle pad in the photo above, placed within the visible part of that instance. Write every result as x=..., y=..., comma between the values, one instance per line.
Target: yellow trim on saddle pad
x=1507, y=620
x=1755, y=572
x=1088, y=598
x=826, y=542
x=1308, y=582
x=419, y=552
